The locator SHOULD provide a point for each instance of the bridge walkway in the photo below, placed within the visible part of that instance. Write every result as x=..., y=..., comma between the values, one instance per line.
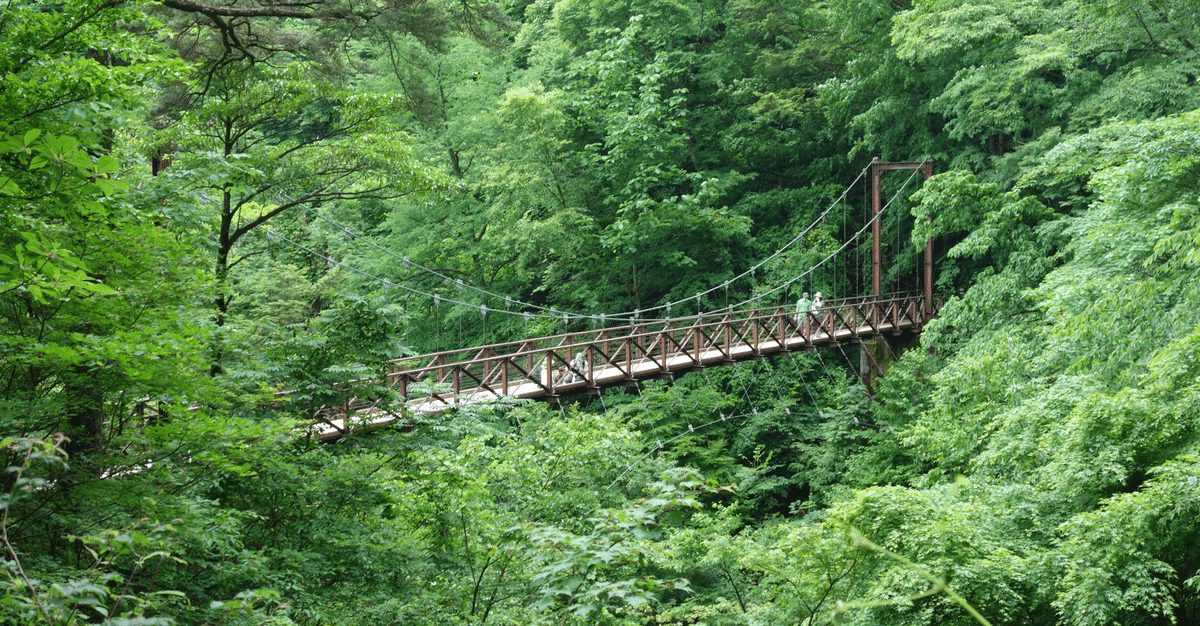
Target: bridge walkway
x=587, y=361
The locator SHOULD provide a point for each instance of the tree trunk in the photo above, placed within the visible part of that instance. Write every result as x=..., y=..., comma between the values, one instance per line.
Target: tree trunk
x=85, y=412
x=222, y=298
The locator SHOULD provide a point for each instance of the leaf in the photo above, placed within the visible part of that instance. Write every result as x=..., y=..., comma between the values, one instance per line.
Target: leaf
x=107, y=165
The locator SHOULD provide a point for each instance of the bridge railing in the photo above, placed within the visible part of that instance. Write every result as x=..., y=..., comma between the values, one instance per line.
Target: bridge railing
x=589, y=359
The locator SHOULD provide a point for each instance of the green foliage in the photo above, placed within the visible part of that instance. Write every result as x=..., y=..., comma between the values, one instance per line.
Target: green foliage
x=93, y=291
x=98, y=591
x=88, y=309
x=1086, y=410
x=49, y=83
x=1033, y=460
x=658, y=213
x=338, y=357
x=577, y=571
x=260, y=139
x=59, y=180
x=998, y=223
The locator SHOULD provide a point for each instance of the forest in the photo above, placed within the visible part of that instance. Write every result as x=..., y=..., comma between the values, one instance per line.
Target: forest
x=219, y=216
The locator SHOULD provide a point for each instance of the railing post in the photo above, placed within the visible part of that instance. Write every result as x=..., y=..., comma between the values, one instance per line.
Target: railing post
x=570, y=341
x=666, y=343
x=662, y=341
x=629, y=341
x=755, y=333
x=727, y=323
x=456, y=372
x=781, y=319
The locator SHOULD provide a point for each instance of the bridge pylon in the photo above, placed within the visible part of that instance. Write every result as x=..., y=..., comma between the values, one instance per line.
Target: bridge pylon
x=876, y=354
x=877, y=169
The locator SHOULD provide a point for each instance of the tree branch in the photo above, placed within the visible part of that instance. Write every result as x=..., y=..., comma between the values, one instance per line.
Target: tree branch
x=190, y=6
x=83, y=20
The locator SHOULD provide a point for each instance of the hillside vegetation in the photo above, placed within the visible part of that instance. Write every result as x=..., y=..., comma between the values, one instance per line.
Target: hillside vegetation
x=213, y=215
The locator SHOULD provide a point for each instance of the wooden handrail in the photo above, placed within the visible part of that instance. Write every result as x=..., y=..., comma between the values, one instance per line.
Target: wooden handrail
x=550, y=366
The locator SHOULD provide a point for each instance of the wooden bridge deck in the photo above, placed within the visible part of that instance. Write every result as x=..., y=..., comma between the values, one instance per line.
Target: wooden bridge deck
x=587, y=361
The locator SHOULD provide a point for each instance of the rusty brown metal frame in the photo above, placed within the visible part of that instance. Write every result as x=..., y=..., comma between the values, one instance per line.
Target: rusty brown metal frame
x=877, y=169
x=624, y=355
x=676, y=345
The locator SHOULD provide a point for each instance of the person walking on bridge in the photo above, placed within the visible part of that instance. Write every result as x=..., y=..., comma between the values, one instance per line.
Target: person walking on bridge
x=818, y=309
x=802, y=307
x=578, y=370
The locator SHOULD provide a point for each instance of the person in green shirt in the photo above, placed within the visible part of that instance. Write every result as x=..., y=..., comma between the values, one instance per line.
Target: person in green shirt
x=802, y=307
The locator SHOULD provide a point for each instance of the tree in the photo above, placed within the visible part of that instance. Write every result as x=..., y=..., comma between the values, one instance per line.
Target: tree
x=83, y=291
x=1074, y=399
x=264, y=140
x=581, y=574
x=629, y=90
x=268, y=123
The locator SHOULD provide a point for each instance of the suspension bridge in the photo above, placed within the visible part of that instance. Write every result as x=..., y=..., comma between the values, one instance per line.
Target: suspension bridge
x=641, y=346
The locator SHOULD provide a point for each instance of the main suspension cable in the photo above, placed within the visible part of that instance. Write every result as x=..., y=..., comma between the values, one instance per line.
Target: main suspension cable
x=555, y=313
